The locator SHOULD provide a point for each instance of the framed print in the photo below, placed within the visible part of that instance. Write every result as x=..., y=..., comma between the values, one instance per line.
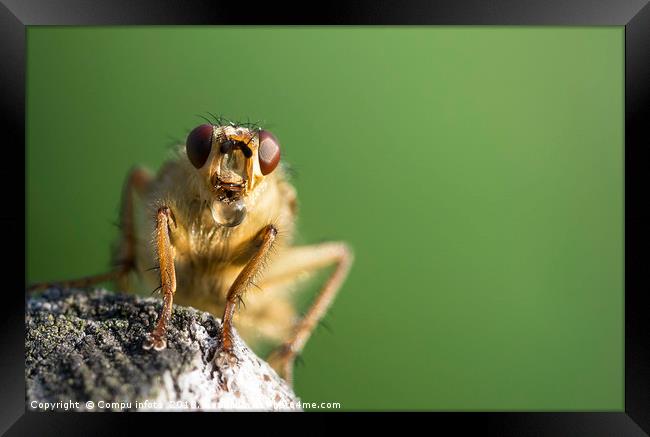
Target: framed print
x=461, y=192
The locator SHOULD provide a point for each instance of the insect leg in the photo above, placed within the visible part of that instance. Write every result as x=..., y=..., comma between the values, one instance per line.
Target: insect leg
x=243, y=280
x=138, y=181
x=76, y=283
x=305, y=259
x=157, y=338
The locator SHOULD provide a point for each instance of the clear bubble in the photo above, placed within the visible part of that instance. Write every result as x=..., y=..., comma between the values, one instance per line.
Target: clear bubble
x=228, y=214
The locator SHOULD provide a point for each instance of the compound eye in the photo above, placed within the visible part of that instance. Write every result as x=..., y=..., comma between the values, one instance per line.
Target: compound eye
x=269, y=152
x=198, y=145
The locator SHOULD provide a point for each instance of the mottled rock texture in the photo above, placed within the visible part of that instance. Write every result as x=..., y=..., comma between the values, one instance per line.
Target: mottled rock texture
x=87, y=346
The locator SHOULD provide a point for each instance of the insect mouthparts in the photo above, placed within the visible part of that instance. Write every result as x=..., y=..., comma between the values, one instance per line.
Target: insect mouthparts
x=227, y=187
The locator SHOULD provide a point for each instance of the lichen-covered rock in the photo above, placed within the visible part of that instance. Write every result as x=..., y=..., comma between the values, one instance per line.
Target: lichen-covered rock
x=84, y=352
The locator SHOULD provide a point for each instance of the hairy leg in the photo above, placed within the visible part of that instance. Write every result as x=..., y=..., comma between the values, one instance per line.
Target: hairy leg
x=306, y=259
x=157, y=338
x=138, y=182
x=252, y=269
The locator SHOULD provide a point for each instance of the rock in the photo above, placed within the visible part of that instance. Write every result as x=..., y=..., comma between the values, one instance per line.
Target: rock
x=85, y=347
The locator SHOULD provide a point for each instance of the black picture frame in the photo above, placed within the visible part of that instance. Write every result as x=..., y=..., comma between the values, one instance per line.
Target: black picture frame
x=15, y=15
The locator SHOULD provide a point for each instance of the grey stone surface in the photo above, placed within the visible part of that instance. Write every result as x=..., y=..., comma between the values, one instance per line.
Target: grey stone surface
x=87, y=346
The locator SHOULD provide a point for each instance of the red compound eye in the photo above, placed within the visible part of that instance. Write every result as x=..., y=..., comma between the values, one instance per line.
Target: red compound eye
x=198, y=145
x=269, y=152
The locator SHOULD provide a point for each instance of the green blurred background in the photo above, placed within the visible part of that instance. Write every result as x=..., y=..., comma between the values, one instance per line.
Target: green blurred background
x=476, y=171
